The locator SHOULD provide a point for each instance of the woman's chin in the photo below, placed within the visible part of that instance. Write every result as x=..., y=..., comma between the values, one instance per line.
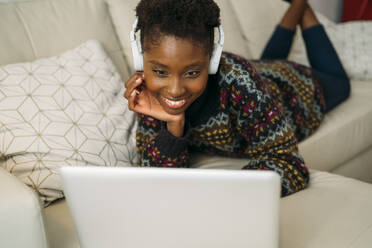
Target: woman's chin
x=174, y=111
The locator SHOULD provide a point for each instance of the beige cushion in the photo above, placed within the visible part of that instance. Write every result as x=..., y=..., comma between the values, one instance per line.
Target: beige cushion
x=44, y=28
x=21, y=217
x=60, y=227
x=358, y=167
x=333, y=212
x=258, y=20
x=235, y=40
x=64, y=110
x=345, y=131
x=123, y=16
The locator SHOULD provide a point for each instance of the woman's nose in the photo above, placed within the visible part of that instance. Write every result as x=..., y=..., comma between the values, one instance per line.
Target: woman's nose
x=176, y=88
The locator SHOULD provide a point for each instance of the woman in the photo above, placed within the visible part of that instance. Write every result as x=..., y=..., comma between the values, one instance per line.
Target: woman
x=256, y=109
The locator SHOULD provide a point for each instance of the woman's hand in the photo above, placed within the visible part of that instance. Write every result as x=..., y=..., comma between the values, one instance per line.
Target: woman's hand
x=141, y=100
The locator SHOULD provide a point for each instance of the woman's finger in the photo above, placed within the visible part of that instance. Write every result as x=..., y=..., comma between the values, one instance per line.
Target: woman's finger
x=132, y=86
x=133, y=78
x=132, y=101
x=135, y=106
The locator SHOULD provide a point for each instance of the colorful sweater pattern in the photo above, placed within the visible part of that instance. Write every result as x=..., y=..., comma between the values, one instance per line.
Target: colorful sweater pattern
x=255, y=109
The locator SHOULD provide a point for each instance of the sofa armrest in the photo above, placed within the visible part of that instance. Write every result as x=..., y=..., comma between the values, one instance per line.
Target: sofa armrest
x=21, y=217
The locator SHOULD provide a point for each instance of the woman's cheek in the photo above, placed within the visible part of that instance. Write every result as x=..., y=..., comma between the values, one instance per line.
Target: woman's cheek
x=153, y=84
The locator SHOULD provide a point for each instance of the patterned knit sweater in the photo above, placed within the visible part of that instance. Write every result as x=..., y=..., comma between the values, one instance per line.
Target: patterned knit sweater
x=258, y=110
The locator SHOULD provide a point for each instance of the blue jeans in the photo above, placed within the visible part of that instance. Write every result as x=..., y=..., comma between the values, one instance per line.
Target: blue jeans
x=322, y=56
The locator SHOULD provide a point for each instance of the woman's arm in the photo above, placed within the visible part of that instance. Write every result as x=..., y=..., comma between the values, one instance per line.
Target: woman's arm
x=272, y=144
x=157, y=146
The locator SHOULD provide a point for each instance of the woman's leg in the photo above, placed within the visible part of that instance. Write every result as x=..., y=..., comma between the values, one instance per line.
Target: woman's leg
x=320, y=51
x=280, y=43
x=324, y=60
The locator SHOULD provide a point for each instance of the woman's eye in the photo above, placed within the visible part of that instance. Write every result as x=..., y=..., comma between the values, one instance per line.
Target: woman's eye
x=160, y=72
x=192, y=73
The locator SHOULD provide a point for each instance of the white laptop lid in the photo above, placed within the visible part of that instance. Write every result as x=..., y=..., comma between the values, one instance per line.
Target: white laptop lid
x=173, y=208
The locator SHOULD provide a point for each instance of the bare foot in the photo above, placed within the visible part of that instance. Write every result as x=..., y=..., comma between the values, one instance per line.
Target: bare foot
x=309, y=18
x=294, y=14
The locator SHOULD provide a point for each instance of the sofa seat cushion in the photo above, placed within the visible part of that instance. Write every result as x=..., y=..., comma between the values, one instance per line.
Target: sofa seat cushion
x=345, y=132
x=60, y=227
x=334, y=211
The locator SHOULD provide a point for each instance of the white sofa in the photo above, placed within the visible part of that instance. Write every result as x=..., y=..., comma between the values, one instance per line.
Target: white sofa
x=334, y=211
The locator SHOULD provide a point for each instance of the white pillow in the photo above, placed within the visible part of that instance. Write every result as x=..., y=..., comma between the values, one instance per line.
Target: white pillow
x=353, y=42
x=64, y=110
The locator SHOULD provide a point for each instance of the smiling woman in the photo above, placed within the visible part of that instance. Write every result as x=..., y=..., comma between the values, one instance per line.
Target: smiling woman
x=173, y=84
x=258, y=110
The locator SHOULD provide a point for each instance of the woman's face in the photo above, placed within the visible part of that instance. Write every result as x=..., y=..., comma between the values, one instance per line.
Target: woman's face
x=176, y=72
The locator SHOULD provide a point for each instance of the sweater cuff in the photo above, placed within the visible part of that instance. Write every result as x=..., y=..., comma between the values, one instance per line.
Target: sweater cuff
x=168, y=144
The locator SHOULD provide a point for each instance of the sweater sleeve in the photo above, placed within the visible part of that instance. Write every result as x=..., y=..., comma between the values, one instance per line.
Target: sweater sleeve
x=157, y=147
x=271, y=142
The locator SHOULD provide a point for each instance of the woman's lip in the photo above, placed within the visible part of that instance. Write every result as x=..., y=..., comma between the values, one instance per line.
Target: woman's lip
x=174, y=104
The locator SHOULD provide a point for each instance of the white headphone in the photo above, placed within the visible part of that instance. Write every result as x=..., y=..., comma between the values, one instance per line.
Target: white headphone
x=138, y=53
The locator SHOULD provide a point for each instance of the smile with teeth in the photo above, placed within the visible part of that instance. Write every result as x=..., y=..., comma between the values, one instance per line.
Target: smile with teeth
x=174, y=104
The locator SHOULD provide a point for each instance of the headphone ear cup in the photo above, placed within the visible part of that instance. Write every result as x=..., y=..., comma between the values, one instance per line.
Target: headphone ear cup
x=215, y=59
x=137, y=55
x=140, y=56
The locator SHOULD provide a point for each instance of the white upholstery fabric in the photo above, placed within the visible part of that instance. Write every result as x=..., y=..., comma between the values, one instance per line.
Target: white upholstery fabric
x=21, y=216
x=345, y=131
x=235, y=40
x=358, y=167
x=258, y=20
x=64, y=110
x=123, y=16
x=333, y=212
x=36, y=29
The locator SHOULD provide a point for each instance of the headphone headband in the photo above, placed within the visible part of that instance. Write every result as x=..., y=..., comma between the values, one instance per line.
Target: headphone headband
x=138, y=54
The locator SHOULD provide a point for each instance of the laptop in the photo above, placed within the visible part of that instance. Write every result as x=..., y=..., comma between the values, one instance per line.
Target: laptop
x=142, y=207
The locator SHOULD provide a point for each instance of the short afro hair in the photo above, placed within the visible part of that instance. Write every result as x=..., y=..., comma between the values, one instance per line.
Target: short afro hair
x=194, y=20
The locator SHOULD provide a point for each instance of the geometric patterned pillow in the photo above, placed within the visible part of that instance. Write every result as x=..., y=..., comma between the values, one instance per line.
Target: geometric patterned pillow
x=64, y=110
x=353, y=42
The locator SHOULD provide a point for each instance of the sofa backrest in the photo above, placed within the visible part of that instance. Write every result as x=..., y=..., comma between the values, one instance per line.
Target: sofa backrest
x=258, y=20
x=43, y=28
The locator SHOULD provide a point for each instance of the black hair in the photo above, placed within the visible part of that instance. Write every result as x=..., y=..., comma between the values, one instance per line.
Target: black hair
x=188, y=19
